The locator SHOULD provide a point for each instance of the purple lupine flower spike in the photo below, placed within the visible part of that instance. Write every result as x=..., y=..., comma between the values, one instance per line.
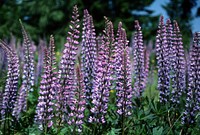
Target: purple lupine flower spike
x=177, y=66
x=100, y=92
x=103, y=76
x=28, y=69
x=192, y=106
x=46, y=100
x=88, y=52
x=28, y=75
x=119, y=46
x=76, y=114
x=10, y=93
x=123, y=74
x=41, y=109
x=162, y=62
x=67, y=63
x=52, y=59
x=169, y=38
x=138, y=61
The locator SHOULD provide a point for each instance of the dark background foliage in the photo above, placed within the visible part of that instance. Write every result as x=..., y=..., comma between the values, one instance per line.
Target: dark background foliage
x=43, y=18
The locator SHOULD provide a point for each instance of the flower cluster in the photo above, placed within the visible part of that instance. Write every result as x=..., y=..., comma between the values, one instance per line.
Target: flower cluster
x=67, y=63
x=103, y=76
x=123, y=74
x=77, y=109
x=138, y=61
x=10, y=93
x=45, y=106
x=162, y=57
x=88, y=52
x=177, y=65
x=28, y=75
x=170, y=46
x=192, y=106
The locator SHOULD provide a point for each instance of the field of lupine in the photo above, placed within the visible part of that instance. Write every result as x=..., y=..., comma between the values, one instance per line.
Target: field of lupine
x=101, y=85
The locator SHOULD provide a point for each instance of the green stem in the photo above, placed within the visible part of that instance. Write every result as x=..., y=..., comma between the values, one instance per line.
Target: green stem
x=123, y=120
x=173, y=124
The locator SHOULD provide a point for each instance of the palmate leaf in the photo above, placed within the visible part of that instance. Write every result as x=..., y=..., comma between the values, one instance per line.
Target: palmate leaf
x=157, y=131
x=114, y=131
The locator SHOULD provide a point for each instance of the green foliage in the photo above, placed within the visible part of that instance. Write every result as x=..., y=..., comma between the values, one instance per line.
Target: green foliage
x=44, y=18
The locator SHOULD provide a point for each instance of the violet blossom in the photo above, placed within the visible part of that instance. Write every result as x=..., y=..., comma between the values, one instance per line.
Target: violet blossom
x=88, y=52
x=138, y=61
x=9, y=95
x=162, y=62
x=123, y=74
x=66, y=72
x=46, y=100
x=192, y=106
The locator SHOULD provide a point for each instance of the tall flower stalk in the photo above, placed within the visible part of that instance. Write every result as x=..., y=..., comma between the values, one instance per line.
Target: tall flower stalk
x=27, y=77
x=46, y=100
x=170, y=46
x=88, y=52
x=77, y=109
x=192, y=106
x=177, y=66
x=162, y=62
x=123, y=76
x=103, y=76
x=66, y=72
x=10, y=93
x=138, y=61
